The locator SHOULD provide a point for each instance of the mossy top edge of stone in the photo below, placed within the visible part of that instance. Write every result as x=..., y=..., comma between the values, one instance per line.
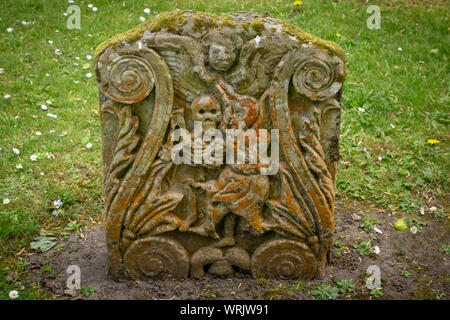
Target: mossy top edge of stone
x=175, y=20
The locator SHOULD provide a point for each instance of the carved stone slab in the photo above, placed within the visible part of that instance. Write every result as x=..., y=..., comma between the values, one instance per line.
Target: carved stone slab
x=239, y=71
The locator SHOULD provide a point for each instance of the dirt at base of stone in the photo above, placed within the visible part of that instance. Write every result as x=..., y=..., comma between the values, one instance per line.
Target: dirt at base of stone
x=412, y=266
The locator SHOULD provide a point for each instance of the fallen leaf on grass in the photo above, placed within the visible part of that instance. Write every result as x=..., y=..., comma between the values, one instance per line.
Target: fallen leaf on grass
x=43, y=243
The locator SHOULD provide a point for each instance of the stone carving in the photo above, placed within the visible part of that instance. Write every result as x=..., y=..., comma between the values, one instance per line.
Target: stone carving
x=239, y=71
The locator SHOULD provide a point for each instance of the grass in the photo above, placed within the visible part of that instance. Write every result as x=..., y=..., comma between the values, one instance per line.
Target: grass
x=386, y=159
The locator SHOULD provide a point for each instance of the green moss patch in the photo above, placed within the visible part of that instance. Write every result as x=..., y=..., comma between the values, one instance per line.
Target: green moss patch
x=174, y=22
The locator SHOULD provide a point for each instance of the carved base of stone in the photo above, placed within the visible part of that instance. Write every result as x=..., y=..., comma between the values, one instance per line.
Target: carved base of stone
x=162, y=257
x=156, y=257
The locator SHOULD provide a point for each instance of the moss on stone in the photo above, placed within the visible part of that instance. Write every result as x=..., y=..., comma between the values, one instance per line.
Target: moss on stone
x=170, y=20
x=257, y=25
x=175, y=21
x=305, y=37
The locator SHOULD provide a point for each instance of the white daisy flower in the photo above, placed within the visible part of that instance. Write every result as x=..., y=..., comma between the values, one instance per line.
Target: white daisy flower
x=413, y=229
x=376, y=249
x=147, y=10
x=16, y=151
x=10, y=30
x=38, y=133
x=58, y=52
x=19, y=166
x=90, y=5
x=89, y=75
x=56, y=31
x=433, y=208
x=89, y=145
x=33, y=157
x=6, y=201
x=57, y=203
x=94, y=9
x=362, y=110
x=89, y=57
x=13, y=294
x=89, y=35
x=422, y=210
x=42, y=173
x=142, y=19
x=44, y=107
x=51, y=115
x=7, y=96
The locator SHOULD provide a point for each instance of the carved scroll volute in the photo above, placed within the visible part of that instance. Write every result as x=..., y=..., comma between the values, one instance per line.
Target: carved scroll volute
x=318, y=77
x=127, y=75
x=125, y=78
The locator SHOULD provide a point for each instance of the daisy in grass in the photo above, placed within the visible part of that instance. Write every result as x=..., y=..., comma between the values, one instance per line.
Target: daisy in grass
x=57, y=203
x=376, y=249
x=13, y=294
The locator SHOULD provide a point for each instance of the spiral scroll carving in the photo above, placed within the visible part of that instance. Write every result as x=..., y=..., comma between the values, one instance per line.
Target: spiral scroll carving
x=128, y=79
x=156, y=257
x=318, y=77
x=285, y=259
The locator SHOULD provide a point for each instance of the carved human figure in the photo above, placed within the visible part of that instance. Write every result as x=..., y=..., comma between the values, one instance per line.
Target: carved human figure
x=231, y=195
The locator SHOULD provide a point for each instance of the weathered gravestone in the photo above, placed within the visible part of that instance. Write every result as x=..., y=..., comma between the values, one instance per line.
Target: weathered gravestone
x=191, y=72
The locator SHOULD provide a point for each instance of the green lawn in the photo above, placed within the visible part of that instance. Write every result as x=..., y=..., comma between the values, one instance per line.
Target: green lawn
x=397, y=75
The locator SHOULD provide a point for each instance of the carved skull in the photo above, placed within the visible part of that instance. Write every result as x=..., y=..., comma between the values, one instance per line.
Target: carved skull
x=207, y=110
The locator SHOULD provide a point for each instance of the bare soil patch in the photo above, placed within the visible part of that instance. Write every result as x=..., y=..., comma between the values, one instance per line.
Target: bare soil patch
x=420, y=255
